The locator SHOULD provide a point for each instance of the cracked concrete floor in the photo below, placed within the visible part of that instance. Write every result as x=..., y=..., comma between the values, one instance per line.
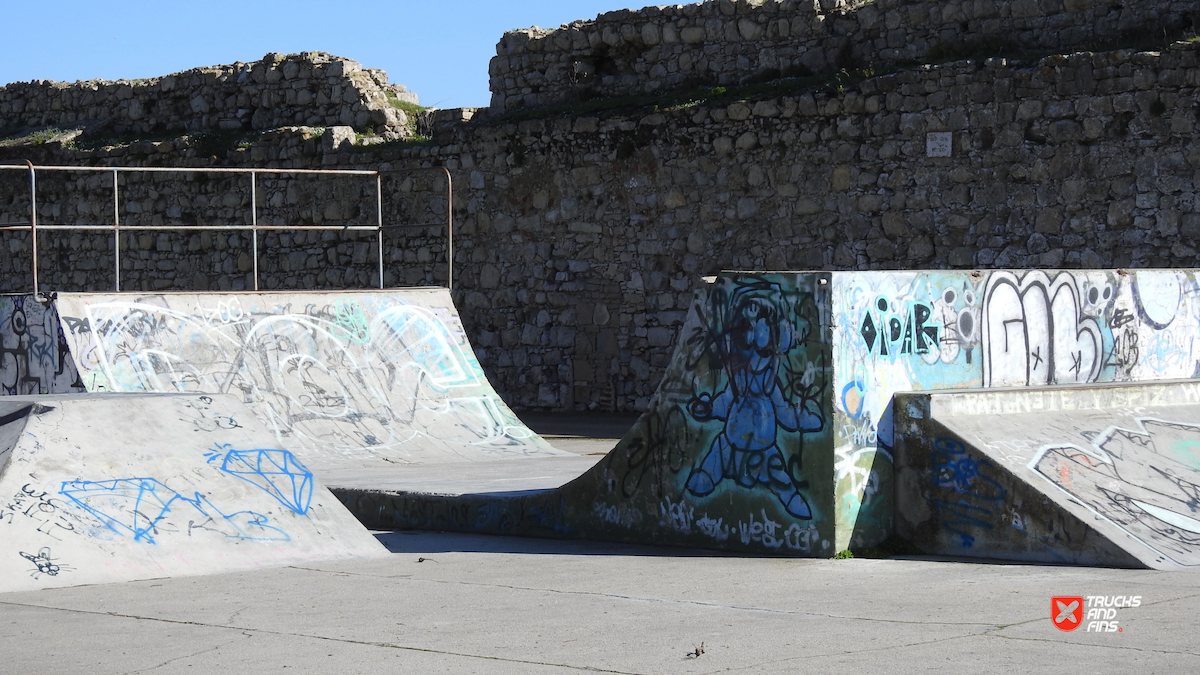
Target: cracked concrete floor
x=465, y=604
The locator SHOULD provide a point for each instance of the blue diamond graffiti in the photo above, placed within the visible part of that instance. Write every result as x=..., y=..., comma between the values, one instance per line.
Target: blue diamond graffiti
x=276, y=472
x=144, y=508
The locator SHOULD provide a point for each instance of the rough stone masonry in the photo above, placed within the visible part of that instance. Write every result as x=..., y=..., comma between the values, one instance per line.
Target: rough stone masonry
x=580, y=237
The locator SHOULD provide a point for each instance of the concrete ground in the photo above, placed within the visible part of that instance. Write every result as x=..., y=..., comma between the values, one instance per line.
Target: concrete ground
x=471, y=604
x=448, y=603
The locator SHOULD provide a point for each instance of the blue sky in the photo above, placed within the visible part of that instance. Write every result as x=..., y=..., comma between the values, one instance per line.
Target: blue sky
x=438, y=48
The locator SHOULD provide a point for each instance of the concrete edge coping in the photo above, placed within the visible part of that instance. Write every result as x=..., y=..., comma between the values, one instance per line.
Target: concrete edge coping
x=1008, y=400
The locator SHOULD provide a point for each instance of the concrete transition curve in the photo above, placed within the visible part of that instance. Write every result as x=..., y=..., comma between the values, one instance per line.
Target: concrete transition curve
x=361, y=382
x=101, y=488
x=771, y=432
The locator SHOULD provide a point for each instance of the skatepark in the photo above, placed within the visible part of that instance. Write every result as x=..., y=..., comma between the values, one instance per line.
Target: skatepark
x=812, y=370
x=774, y=432
x=307, y=439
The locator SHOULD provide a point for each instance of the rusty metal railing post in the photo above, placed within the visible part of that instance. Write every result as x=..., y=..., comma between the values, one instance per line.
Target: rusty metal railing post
x=379, y=223
x=33, y=233
x=449, y=230
x=254, y=223
x=116, y=232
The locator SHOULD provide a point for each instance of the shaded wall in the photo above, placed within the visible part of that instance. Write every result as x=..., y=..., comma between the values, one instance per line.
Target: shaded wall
x=725, y=42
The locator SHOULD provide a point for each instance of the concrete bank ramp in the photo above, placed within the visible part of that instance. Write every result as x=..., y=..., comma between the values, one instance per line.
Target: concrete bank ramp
x=117, y=487
x=358, y=383
x=1090, y=474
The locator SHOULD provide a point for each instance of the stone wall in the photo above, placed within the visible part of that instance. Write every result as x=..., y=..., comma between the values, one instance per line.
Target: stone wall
x=722, y=42
x=310, y=88
x=579, y=241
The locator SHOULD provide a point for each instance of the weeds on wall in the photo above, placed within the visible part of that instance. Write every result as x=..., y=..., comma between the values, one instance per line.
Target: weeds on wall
x=687, y=98
x=798, y=80
x=24, y=136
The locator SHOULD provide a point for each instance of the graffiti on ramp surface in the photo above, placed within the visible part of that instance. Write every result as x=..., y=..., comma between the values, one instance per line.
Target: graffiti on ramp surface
x=34, y=355
x=1146, y=480
x=752, y=334
x=370, y=375
x=719, y=458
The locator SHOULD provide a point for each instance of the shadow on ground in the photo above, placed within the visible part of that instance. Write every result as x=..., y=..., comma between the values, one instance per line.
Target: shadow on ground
x=445, y=542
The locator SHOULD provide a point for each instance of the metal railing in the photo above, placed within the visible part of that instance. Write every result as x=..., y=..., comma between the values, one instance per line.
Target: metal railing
x=254, y=227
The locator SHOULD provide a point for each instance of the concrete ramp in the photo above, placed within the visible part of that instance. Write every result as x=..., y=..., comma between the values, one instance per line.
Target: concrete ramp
x=729, y=455
x=1093, y=474
x=104, y=488
x=355, y=383
x=771, y=431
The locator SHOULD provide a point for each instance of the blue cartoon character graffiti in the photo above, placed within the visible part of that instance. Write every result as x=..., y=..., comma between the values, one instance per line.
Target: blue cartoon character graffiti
x=757, y=401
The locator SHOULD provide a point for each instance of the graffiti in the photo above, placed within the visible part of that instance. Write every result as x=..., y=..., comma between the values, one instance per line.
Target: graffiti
x=858, y=485
x=760, y=398
x=1120, y=318
x=763, y=531
x=1035, y=332
x=51, y=518
x=1125, y=353
x=772, y=535
x=980, y=496
x=714, y=529
x=365, y=377
x=276, y=472
x=34, y=355
x=611, y=513
x=1167, y=352
x=681, y=517
x=44, y=563
x=141, y=507
x=119, y=487
x=1157, y=297
x=909, y=331
x=1145, y=480
x=658, y=449
x=202, y=416
x=350, y=322
x=1031, y=328
x=998, y=328
x=957, y=310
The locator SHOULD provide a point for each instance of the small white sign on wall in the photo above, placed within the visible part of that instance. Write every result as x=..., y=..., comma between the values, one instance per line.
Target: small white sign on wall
x=939, y=143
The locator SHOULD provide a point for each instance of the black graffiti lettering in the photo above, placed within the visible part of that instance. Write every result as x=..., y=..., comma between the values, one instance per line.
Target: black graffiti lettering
x=913, y=332
x=868, y=331
x=927, y=334
x=1120, y=317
